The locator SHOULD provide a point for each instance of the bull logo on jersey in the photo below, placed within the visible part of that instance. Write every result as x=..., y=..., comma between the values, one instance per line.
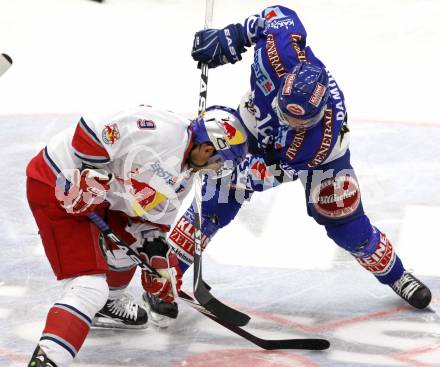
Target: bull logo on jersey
x=146, y=197
x=143, y=192
x=110, y=134
x=233, y=135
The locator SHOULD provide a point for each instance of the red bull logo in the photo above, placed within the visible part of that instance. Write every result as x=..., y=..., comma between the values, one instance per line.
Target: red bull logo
x=234, y=136
x=143, y=192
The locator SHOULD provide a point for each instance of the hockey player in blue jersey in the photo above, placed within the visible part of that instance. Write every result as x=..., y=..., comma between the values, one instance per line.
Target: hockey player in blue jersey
x=297, y=128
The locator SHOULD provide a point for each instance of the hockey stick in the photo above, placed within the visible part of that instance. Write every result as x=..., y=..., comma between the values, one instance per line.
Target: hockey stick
x=204, y=67
x=5, y=63
x=312, y=344
x=227, y=314
x=201, y=292
x=106, y=230
x=268, y=344
x=108, y=233
x=218, y=307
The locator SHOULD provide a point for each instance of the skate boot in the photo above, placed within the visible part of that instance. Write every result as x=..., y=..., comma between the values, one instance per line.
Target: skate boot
x=159, y=311
x=412, y=290
x=121, y=313
x=39, y=359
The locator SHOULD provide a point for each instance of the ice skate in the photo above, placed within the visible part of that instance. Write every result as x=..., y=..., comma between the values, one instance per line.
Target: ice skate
x=39, y=359
x=160, y=312
x=121, y=313
x=412, y=290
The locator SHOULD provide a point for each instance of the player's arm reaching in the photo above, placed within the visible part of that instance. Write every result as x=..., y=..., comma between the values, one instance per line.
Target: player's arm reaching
x=221, y=46
x=222, y=199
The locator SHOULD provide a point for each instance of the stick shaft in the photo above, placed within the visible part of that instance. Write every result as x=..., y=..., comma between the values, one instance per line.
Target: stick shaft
x=201, y=291
x=203, y=91
x=209, y=11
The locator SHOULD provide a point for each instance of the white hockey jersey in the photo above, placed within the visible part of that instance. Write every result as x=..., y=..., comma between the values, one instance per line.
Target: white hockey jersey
x=145, y=150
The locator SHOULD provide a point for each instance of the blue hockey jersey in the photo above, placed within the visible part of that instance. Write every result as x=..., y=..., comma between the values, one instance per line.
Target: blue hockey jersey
x=280, y=44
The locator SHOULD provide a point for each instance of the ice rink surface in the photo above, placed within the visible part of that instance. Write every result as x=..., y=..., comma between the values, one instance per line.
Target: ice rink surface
x=273, y=261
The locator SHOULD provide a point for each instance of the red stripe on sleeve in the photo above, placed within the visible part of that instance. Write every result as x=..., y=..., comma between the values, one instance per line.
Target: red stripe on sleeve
x=84, y=144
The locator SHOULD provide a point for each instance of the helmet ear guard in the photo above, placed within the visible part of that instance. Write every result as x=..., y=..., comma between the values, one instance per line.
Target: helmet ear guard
x=222, y=127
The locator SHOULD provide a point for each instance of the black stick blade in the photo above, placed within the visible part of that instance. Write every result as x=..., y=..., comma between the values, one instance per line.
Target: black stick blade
x=226, y=313
x=307, y=344
x=273, y=344
x=212, y=304
x=267, y=344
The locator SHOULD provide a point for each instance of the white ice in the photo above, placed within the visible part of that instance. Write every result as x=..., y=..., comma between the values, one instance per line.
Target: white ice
x=274, y=262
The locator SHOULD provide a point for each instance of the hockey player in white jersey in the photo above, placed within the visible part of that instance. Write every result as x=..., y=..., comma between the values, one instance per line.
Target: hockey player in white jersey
x=133, y=169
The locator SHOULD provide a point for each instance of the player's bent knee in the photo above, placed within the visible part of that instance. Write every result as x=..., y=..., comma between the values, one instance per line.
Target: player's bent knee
x=87, y=293
x=353, y=236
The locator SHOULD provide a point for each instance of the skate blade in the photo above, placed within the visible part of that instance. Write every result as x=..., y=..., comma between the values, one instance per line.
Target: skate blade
x=157, y=320
x=105, y=323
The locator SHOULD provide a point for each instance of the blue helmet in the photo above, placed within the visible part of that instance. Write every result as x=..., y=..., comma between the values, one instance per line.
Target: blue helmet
x=302, y=95
x=222, y=127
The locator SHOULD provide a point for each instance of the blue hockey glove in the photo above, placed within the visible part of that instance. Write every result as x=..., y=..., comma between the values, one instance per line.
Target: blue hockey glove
x=219, y=46
x=255, y=174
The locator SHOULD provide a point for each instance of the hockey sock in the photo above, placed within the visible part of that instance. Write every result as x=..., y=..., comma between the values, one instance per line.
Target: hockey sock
x=68, y=321
x=121, y=271
x=118, y=280
x=383, y=263
x=65, y=331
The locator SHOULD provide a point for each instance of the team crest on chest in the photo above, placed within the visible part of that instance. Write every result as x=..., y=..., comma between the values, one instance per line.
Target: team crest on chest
x=110, y=134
